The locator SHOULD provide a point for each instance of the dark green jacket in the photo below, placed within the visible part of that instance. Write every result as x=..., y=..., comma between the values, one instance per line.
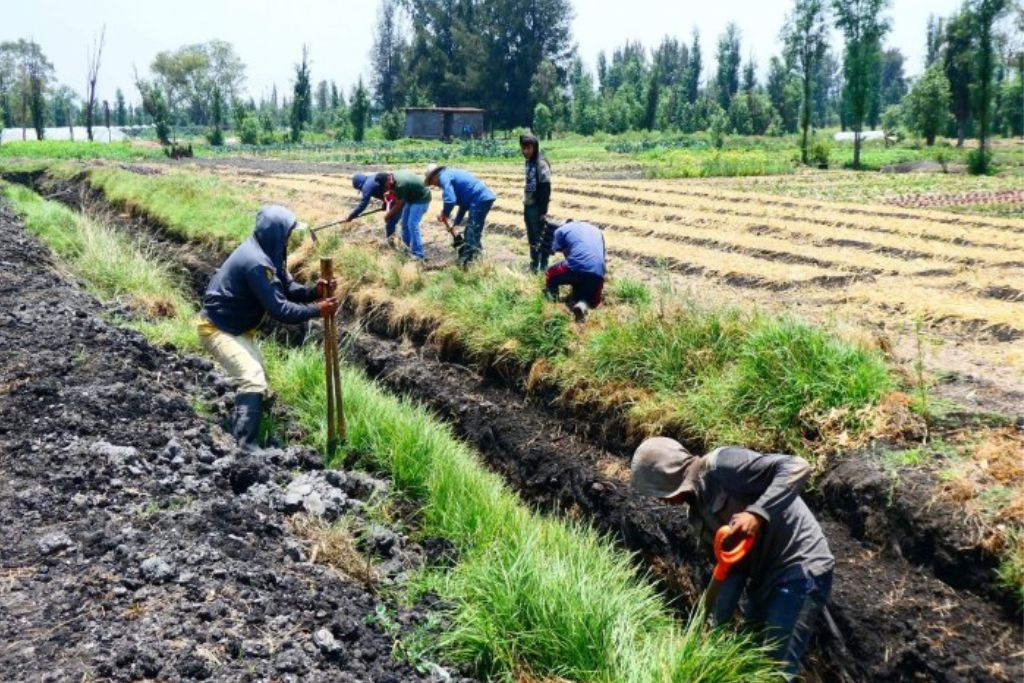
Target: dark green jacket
x=410, y=187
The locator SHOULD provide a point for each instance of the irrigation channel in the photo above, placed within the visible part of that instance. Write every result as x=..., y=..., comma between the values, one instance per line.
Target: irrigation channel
x=925, y=619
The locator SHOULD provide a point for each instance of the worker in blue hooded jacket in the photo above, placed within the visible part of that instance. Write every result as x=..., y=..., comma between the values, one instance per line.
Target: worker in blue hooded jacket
x=250, y=285
x=372, y=187
x=471, y=195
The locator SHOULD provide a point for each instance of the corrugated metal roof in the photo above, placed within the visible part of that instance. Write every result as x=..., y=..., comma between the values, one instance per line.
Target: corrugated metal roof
x=461, y=110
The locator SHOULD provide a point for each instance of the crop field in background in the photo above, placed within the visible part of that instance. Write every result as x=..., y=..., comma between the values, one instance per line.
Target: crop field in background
x=889, y=270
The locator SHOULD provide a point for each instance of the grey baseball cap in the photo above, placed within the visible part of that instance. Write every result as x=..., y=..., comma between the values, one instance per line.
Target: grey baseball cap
x=663, y=468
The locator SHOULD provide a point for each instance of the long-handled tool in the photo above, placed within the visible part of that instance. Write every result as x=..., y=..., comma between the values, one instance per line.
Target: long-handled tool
x=457, y=239
x=335, y=407
x=314, y=231
x=724, y=561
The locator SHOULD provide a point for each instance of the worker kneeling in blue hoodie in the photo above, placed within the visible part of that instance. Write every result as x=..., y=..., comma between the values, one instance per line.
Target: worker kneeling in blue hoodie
x=252, y=284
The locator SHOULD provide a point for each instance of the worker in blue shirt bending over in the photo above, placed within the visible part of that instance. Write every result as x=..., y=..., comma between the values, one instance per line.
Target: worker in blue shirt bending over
x=254, y=283
x=472, y=196
x=583, y=268
x=372, y=187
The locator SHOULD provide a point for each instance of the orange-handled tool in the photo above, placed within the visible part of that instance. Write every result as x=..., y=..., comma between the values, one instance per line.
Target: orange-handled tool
x=724, y=561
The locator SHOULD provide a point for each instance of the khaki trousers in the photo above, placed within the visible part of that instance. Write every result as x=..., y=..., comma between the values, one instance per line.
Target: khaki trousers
x=238, y=355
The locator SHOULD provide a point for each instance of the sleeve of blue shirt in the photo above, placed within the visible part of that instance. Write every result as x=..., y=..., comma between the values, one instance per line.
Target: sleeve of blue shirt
x=558, y=243
x=448, y=196
x=271, y=294
x=369, y=187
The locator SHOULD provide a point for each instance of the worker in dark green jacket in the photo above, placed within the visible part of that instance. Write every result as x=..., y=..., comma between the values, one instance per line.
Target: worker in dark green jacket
x=412, y=198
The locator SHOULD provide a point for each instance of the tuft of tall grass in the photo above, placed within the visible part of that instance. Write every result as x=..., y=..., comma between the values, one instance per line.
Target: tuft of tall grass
x=724, y=375
x=499, y=315
x=112, y=266
x=194, y=206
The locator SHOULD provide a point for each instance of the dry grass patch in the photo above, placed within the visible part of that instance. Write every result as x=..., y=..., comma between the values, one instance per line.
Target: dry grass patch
x=335, y=546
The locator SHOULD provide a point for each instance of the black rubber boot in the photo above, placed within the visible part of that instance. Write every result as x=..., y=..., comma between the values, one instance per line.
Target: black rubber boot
x=542, y=261
x=246, y=427
x=534, y=257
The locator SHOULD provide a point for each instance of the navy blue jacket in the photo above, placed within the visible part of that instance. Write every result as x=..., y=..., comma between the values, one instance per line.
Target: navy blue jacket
x=462, y=189
x=370, y=186
x=254, y=282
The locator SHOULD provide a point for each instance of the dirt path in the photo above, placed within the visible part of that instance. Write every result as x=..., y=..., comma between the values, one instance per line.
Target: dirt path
x=127, y=552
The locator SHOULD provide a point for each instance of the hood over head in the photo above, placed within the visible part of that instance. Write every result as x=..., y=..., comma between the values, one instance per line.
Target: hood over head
x=274, y=224
x=358, y=180
x=663, y=468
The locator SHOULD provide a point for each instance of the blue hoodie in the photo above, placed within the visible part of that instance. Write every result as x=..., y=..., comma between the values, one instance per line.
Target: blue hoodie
x=461, y=188
x=370, y=186
x=254, y=282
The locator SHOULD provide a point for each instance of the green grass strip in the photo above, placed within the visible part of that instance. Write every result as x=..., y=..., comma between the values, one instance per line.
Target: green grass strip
x=196, y=207
x=112, y=266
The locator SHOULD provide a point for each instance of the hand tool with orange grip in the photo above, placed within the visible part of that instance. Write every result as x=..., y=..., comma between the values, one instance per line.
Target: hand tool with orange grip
x=724, y=561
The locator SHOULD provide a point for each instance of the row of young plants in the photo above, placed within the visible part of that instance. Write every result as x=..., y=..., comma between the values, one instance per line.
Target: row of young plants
x=530, y=594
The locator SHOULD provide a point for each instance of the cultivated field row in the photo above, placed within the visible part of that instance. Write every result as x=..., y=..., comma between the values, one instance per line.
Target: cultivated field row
x=879, y=262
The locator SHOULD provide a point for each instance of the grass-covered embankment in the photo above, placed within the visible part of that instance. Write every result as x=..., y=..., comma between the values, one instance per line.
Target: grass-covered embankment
x=112, y=267
x=709, y=375
x=531, y=594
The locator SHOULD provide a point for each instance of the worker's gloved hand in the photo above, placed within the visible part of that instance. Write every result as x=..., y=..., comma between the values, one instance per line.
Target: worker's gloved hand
x=325, y=288
x=328, y=306
x=746, y=524
x=441, y=218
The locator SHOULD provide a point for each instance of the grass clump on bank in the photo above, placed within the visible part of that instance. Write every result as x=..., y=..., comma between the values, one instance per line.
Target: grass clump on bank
x=195, y=207
x=530, y=593
x=113, y=267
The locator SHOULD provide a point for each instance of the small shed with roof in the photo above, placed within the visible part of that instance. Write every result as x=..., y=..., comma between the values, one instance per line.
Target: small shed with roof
x=444, y=123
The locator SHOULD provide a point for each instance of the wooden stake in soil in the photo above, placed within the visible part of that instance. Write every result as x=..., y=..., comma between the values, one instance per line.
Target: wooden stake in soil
x=332, y=370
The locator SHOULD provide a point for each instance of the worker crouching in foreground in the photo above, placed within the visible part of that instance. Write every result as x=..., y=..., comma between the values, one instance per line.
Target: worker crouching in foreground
x=252, y=283
x=583, y=268
x=471, y=195
x=788, y=572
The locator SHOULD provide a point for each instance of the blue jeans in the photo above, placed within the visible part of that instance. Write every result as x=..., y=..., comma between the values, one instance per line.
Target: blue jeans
x=412, y=214
x=471, y=248
x=787, y=615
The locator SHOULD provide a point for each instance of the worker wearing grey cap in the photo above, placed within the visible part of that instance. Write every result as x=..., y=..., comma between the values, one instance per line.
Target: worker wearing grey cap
x=788, y=573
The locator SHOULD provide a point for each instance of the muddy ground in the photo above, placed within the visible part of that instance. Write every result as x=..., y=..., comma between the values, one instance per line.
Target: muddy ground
x=139, y=544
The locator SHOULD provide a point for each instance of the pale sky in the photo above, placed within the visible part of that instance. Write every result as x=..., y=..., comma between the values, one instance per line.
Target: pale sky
x=268, y=35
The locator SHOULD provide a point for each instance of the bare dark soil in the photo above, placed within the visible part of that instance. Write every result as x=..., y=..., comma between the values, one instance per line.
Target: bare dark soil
x=900, y=598
x=138, y=543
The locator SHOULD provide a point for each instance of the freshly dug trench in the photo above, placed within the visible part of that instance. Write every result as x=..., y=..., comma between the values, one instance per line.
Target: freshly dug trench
x=886, y=608
x=137, y=543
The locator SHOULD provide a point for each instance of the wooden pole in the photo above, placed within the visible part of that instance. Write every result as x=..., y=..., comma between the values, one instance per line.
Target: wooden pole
x=327, y=273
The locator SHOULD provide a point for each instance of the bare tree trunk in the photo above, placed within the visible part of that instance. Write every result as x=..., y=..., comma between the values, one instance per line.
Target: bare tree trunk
x=92, y=71
x=856, y=148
